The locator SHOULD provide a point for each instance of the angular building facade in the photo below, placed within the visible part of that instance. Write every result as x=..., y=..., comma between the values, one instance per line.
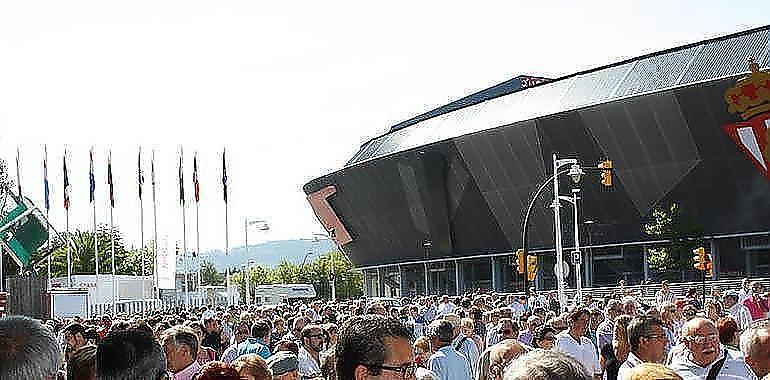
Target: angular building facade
x=436, y=205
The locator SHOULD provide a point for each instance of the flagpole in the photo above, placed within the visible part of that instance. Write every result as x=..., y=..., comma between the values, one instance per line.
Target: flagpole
x=197, y=222
x=184, y=230
x=115, y=292
x=67, y=221
x=92, y=180
x=155, y=228
x=227, y=244
x=47, y=205
x=18, y=171
x=140, y=180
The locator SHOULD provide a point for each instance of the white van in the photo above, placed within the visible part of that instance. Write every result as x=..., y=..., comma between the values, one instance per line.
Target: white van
x=280, y=293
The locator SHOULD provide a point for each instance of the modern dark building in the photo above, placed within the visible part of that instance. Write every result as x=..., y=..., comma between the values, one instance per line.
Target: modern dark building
x=439, y=200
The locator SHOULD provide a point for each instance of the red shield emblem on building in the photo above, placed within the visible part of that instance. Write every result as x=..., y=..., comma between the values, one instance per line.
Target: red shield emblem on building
x=750, y=98
x=751, y=137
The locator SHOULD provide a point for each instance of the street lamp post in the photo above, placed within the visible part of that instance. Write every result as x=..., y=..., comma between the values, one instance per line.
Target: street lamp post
x=427, y=245
x=576, y=256
x=263, y=226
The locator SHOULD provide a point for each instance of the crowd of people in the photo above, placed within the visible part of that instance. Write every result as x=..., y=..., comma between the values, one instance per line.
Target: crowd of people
x=475, y=336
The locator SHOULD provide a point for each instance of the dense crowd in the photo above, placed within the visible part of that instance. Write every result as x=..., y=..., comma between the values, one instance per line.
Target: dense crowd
x=476, y=336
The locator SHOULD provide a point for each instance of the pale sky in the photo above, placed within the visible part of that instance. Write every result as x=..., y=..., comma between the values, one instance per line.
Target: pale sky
x=290, y=88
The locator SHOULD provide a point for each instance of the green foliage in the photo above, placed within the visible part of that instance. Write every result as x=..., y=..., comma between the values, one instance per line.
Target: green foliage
x=670, y=224
x=348, y=283
x=127, y=261
x=210, y=276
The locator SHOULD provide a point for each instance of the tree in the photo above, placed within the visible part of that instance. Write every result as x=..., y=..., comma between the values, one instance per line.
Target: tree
x=672, y=259
x=210, y=276
x=348, y=282
x=127, y=261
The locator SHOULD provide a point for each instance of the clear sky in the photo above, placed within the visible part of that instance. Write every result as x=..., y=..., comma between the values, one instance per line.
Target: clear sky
x=290, y=88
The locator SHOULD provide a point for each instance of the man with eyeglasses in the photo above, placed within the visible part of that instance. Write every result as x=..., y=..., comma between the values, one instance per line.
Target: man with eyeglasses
x=648, y=341
x=310, y=351
x=705, y=358
x=374, y=347
x=756, y=302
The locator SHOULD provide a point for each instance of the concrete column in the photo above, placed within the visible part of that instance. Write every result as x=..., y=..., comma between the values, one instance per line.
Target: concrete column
x=714, y=248
x=380, y=285
x=495, y=274
x=587, y=264
x=426, y=274
x=645, y=265
x=403, y=291
x=458, y=278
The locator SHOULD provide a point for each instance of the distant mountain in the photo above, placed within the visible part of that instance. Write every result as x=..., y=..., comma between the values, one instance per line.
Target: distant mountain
x=270, y=253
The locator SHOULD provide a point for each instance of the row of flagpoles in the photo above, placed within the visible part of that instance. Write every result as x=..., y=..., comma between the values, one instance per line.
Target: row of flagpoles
x=140, y=184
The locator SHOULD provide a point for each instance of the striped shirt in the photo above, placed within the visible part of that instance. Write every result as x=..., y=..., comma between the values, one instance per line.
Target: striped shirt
x=733, y=368
x=662, y=297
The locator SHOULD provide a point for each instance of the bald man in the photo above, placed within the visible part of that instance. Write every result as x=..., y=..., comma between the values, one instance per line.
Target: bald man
x=706, y=355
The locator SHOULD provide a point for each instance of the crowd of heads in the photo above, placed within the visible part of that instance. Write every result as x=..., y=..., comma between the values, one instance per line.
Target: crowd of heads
x=475, y=336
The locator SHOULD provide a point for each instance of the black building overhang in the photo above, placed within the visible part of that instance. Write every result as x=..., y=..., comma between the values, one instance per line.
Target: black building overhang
x=663, y=130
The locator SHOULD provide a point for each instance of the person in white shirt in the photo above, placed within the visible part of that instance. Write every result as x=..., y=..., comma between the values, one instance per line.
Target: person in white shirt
x=574, y=343
x=664, y=295
x=755, y=345
x=648, y=341
x=445, y=306
x=738, y=311
x=518, y=306
x=704, y=354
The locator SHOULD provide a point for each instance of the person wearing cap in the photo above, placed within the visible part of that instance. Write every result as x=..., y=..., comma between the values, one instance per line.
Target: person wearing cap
x=664, y=295
x=446, y=362
x=284, y=365
x=463, y=344
x=736, y=310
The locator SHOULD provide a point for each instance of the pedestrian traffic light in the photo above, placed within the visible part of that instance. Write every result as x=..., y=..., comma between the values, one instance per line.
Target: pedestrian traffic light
x=531, y=268
x=521, y=261
x=699, y=258
x=606, y=173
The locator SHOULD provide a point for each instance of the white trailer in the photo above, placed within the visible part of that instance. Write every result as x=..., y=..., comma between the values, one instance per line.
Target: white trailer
x=280, y=293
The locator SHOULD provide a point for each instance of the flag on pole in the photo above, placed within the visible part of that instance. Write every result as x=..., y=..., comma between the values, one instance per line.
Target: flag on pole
x=18, y=171
x=224, y=176
x=45, y=179
x=66, y=184
x=196, y=185
x=139, y=173
x=91, y=178
x=181, y=176
x=109, y=180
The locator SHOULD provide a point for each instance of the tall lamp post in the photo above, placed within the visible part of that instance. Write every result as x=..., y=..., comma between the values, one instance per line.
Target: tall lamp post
x=262, y=226
x=575, y=172
x=332, y=275
x=427, y=245
x=576, y=256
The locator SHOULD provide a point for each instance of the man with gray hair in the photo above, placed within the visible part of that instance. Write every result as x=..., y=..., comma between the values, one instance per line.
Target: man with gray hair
x=755, y=344
x=545, y=365
x=705, y=357
x=28, y=350
x=181, y=347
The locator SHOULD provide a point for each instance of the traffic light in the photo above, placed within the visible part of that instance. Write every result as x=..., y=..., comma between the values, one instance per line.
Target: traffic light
x=699, y=258
x=606, y=173
x=709, y=266
x=521, y=261
x=531, y=268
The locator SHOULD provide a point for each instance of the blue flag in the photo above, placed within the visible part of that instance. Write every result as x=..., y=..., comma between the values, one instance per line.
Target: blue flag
x=45, y=180
x=91, y=176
